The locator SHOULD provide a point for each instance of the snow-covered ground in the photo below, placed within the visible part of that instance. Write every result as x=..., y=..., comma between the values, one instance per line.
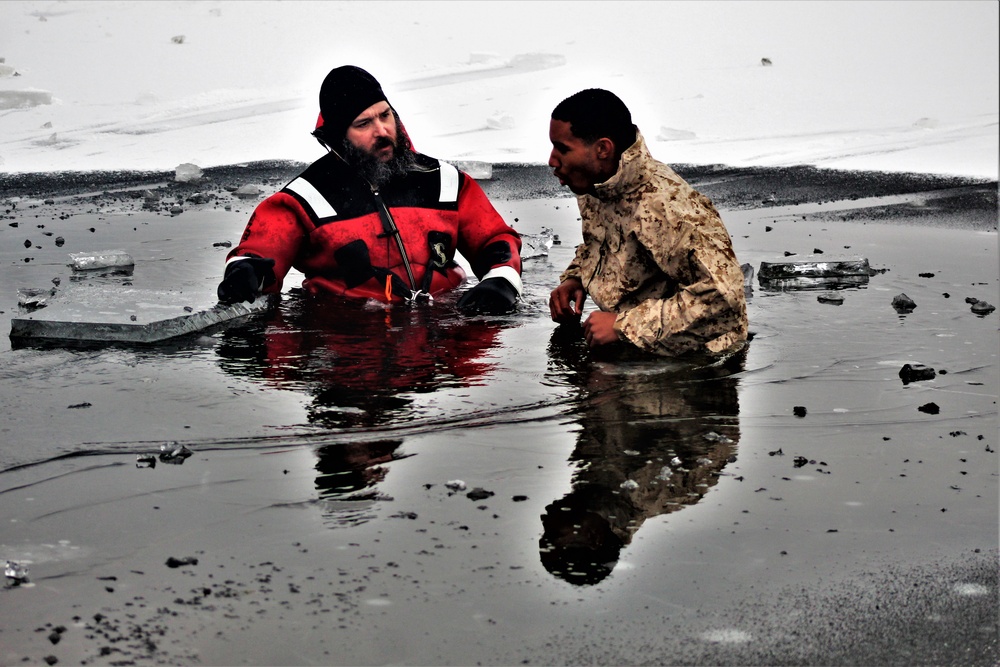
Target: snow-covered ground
x=894, y=86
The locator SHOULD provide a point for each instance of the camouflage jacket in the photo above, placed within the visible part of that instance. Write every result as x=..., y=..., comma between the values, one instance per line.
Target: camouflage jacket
x=656, y=252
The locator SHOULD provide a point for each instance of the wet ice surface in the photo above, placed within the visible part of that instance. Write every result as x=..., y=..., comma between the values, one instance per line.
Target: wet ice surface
x=120, y=313
x=414, y=487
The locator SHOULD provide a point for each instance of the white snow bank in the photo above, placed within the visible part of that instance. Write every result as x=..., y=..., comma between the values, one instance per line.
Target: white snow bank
x=859, y=85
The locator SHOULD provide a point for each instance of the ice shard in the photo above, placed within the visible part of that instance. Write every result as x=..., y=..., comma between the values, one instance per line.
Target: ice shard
x=834, y=274
x=536, y=245
x=834, y=269
x=103, y=259
x=128, y=315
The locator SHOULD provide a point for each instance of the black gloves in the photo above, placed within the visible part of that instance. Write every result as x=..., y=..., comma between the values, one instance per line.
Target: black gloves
x=493, y=296
x=245, y=278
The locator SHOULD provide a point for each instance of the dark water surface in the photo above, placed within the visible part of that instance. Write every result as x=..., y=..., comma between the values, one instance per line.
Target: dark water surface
x=408, y=486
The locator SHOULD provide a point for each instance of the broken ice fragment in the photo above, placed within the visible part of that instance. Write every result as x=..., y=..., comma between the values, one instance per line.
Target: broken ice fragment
x=33, y=298
x=983, y=308
x=536, y=245
x=104, y=259
x=916, y=372
x=479, y=493
x=187, y=172
x=248, y=191
x=16, y=572
x=455, y=485
x=105, y=313
x=903, y=304
x=813, y=275
x=178, y=562
x=171, y=452
x=145, y=461
x=781, y=270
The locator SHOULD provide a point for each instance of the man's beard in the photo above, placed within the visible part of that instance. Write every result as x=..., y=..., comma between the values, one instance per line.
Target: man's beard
x=372, y=169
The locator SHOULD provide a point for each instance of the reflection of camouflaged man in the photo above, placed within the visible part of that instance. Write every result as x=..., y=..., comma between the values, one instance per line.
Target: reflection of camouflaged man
x=655, y=258
x=653, y=439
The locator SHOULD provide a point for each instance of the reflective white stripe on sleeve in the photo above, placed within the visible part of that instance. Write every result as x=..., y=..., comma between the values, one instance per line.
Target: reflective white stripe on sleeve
x=449, y=182
x=320, y=206
x=509, y=274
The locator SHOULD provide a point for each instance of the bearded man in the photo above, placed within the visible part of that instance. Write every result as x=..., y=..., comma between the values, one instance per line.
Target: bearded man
x=374, y=219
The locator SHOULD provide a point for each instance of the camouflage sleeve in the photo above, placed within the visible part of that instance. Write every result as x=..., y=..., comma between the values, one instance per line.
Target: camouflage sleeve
x=573, y=270
x=691, y=246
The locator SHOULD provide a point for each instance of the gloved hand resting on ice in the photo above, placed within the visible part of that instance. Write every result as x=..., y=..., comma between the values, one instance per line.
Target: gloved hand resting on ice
x=245, y=278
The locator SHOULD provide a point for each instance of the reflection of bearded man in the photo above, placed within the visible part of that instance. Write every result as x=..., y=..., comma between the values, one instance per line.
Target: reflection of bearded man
x=373, y=170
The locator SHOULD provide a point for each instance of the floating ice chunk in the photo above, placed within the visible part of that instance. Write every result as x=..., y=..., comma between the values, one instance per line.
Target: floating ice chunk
x=983, y=308
x=248, y=191
x=831, y=298
x=536, y=245
x=836, y=269
x=16, y=572
x=630, y=484
x=903, y=304
x=95, y=313
x=33, y=298
x=814, y=275
x=102, y=259
x=171, y=452
x=187, y=172
x=455, y=485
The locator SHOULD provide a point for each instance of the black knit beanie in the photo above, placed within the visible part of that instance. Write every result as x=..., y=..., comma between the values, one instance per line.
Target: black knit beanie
x=345, y=93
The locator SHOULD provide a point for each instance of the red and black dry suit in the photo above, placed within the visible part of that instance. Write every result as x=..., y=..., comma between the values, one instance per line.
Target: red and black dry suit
x=386, y=244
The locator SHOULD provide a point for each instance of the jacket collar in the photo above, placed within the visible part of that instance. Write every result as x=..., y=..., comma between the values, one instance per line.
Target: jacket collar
x=634, y=171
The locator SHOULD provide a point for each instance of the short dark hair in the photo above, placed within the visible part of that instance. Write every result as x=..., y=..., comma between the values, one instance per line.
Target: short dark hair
x=594, y=113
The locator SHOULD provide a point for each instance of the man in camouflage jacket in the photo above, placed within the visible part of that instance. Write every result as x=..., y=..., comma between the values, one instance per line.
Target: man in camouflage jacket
x=656, y=257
